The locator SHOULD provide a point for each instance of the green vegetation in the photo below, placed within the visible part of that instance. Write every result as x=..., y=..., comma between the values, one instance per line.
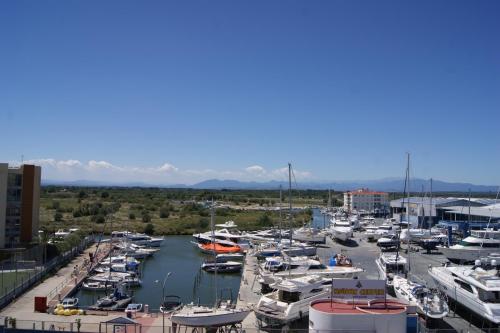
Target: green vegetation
x=12, y=278
x=169, y=211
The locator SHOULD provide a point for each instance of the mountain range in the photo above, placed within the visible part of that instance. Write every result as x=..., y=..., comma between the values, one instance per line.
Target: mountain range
x=386, y=184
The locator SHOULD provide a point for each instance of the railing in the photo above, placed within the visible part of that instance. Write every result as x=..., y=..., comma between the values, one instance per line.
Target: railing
x=41, y=272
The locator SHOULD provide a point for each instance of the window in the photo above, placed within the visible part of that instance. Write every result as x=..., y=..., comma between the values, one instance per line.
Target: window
x=15, y=180
x=464, y=286
x=288, y=296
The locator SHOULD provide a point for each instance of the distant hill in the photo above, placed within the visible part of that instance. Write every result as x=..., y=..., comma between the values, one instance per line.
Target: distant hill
x=386, y=184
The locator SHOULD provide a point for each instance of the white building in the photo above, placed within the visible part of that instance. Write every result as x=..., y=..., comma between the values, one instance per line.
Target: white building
x=366, y=200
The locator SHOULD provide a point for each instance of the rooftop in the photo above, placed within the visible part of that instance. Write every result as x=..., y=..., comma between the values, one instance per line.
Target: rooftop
x=359, y=307
x=365, y=191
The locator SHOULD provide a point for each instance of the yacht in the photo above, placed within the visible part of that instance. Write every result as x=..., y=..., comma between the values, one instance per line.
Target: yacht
x=95, y=286
x=481, y=243
x=290, y=300
x=388, y=242
x=225, y=234
x=222, y=267
x=275, y=268
x=69, y=303
x=476, y=287
x=429, y=303
x=291, y=249
x=116, y=301
x=341, y=230
x=390, y=265
x=309, y=235
x=370, y=233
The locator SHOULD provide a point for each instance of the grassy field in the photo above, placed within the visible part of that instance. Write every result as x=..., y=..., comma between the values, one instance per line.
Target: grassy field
x=8, y=280
x=166, y=211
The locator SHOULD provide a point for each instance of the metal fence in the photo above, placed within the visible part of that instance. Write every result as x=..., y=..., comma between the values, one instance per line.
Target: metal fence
x=38, y=274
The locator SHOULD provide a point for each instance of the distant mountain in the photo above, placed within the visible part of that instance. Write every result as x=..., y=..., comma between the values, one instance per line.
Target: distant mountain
x=386, y=184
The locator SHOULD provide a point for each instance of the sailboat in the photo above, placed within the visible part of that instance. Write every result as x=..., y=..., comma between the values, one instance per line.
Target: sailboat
x=429, y=303
x=222, y=314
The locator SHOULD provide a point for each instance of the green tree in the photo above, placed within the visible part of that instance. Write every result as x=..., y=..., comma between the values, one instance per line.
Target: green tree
x=164, y=213
x=58, y=217
x=146, y=217
x=149, y=229
x=82, y=194
x=56, y=204
x=265, y=221
x=131, y=216
x=104, y=195
x=203, y=223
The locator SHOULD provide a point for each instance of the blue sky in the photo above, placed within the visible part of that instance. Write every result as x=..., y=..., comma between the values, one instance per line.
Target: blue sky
x=182, y=91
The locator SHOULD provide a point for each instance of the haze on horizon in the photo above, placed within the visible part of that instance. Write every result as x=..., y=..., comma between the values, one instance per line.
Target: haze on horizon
x=168, y=93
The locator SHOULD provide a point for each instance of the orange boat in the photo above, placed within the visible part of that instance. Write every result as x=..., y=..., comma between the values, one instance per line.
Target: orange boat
x=219, y=248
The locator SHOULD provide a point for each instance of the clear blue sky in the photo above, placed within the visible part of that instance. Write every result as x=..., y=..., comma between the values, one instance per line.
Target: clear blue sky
x=340, y=88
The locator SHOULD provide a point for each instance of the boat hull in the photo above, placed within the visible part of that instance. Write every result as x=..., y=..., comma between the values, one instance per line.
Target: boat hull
x=209, y=319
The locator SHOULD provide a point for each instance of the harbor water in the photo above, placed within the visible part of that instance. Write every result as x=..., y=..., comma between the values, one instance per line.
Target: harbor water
x=180, y=257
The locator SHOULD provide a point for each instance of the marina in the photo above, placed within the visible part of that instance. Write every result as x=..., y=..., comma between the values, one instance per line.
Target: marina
x=176, y=269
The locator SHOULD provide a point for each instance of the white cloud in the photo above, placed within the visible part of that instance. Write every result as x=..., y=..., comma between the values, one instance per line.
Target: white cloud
x=167, y=167
x=166, y=173
x=255, y=169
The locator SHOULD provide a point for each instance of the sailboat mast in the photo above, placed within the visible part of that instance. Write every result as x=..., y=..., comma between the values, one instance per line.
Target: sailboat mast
x=430, y=210
x=281, y=217
x=212, y=214
x=408, y=207
x=290, y=199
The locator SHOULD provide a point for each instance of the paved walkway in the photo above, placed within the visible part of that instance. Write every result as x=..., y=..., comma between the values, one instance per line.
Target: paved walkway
x=249, y=294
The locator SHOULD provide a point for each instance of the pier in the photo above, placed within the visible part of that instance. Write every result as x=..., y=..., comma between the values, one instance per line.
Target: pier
x=249, y=293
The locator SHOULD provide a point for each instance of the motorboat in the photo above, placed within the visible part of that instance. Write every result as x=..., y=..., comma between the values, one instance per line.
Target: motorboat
x=339, y=267
x=390, y=265
x=284, y=247
x=341, y=230
x=218, y=248
x=290, y=299
x=118, y=300
x=170, y=304
x=429, y=303
x=388, y=242
x=133, y=308
x=69, y=303
x=222, y=267
x=309, y=235
x=95, y=286
x=476, y=287
x=481, y=243
x=143, y=239
x=370, y=233
x=129, y=279
x=226, y=234
x=225, y=314
x=223, y=257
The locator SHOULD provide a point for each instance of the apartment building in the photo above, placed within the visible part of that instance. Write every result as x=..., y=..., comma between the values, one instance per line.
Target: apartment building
x=366, y=200
x=19, y=204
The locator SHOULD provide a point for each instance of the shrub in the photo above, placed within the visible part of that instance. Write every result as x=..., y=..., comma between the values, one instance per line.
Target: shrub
x=149, y=229
x=146, y=217
x=104, y=195
x=58, y=217
x=131, y=216
x=164, y=213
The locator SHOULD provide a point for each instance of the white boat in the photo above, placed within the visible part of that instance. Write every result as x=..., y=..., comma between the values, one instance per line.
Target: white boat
x=133, y=308
x=222, y=267
x=223, y=257
x=428, y=303
x=388, y=242
x=370, y=233
x=309, y=235
x=202, y=316
x=226, y=234
x=391, y=264
x=69, y=303
x=341, y=230
x=95, y=286
x=277, y=268
x=290, y=300
x=481, y=243
x=475, y=287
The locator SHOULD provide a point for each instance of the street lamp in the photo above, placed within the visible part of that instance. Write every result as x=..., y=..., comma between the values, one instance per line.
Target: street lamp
x=163, y=300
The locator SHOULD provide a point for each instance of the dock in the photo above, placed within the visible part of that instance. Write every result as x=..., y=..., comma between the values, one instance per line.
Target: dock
x=249, y=293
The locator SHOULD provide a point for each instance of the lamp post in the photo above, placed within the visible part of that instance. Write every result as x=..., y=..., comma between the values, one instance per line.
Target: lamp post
x=163, y=300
